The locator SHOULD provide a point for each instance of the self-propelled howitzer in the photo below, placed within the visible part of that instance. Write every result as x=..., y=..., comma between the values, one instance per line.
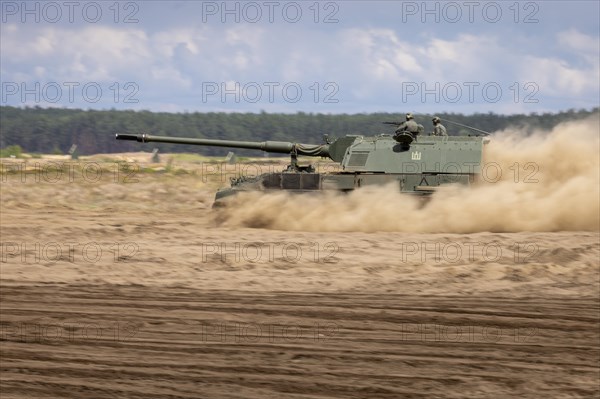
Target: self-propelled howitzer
x=418, y=165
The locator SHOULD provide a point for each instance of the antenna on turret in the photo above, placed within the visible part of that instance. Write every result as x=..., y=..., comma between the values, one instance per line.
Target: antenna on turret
x=468, y=127
x=456, y=123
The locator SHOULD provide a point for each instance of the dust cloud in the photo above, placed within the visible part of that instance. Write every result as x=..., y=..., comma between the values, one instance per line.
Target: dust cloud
x=546, y=181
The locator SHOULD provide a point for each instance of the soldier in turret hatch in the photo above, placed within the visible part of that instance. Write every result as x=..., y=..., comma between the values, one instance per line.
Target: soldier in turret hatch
x=438, y=128
x=409, y=126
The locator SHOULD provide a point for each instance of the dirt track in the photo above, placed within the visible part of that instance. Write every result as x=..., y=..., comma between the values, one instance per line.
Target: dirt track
x=182, y=343
x=173, y=307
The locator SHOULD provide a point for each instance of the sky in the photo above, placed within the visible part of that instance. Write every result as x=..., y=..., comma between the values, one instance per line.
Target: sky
x=306, y=56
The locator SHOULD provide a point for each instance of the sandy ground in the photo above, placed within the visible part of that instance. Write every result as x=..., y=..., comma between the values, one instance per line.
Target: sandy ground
x=133, y=288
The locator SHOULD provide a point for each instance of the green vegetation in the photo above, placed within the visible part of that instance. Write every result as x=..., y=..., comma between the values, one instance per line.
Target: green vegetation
x=52, y=130
x=10, y=151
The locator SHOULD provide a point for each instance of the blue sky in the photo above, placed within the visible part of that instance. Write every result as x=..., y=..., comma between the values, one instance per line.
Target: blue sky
x=331, y=57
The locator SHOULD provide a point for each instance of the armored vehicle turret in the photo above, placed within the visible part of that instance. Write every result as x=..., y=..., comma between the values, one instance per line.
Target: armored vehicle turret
x=418, y=164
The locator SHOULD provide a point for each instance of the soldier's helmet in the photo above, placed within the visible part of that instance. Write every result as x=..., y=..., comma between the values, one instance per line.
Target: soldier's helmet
x=409, y=116
x=436, y=120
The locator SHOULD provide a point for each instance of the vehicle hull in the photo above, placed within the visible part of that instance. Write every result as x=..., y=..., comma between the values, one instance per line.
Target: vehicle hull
x=310, y=183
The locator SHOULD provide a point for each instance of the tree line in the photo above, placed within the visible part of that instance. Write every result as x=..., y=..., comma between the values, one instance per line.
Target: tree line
x=55, y=130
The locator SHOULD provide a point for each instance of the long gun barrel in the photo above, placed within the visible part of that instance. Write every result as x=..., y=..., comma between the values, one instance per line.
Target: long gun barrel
x=281, y=147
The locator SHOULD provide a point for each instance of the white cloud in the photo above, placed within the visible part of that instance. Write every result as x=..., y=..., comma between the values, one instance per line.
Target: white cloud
x=245, y=35
x=381, y=53
x=570, y=77
x=556, y=77
x=91, y=53
x=40, y=72
x=368, y=64
x=44, y=45
x=579, y=42
x=166, y=42
x=385, y=60
x=169, y=76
